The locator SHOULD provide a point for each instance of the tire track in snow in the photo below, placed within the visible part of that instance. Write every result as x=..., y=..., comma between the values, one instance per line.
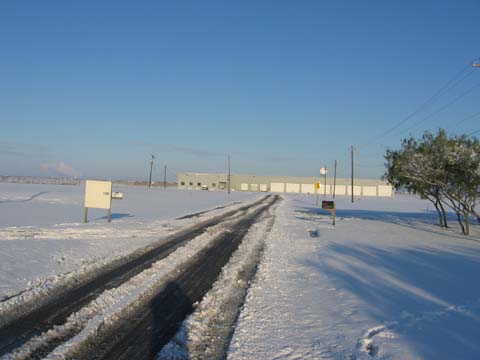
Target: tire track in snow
x=29, y=316
x=207, y=332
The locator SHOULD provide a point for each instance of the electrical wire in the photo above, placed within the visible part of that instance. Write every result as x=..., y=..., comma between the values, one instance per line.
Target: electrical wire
x=458, y=98
x=472, y=133
x=461, y=121
x=449, y=85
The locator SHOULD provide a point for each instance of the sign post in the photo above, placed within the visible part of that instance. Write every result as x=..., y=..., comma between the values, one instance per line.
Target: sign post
x=334, y=178
x=317, y=188
x=330, y=207
x=323, y=171
x=98, y=194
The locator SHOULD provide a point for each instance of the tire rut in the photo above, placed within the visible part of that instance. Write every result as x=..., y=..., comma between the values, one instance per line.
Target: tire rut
x=17, y=333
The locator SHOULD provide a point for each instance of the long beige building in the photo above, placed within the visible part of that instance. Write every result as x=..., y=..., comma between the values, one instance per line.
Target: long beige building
x=283, y=184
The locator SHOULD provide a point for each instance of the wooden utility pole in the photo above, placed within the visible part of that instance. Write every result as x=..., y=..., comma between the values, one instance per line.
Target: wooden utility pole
x=151, y=168
x=334, y=178
x=228, y=174
x=352, y=173
x=165, y=177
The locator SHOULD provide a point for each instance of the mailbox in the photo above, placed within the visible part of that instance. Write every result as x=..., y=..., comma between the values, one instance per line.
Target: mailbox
x=330, y=207
x=117, y=195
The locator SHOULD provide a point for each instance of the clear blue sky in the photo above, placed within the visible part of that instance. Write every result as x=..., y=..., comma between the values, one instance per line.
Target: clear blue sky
x=92, y=88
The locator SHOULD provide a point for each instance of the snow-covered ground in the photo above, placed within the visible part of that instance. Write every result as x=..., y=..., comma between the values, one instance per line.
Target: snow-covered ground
x=102, y=314
x=41, y=233
x=385, y=283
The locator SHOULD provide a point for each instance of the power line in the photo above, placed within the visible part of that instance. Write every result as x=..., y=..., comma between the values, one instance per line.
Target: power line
x=458, y=98
x=452, y=83
x=464, y=119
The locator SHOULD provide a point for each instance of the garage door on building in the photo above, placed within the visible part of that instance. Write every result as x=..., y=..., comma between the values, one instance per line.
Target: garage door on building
x=277, y=187
x=263, y=187
x=308, y=189
x=357, y=190
x=385, y=190
x=254, y=187
x=293, y=188
x=244, y=187
x=369, y=191
x=325, y=189
x=340, y=190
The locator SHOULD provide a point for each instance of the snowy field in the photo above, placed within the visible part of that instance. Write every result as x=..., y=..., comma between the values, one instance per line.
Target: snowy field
x=385, y=283
x=42, y=234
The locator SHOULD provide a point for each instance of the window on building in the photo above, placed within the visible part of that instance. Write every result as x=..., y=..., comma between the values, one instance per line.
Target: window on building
x=190, y=183
x=213, y=185
x=182, y=183
x=199, y=184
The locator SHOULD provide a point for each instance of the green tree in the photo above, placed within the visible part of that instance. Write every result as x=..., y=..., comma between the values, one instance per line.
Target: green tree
x=462, y=163
x=441, y=169
x=411, y=168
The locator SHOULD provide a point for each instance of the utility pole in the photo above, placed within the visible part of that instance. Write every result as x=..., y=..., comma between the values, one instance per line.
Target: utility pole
x=229, y=174
x=325, y=182
x=334, y=178
x=352, y=173
x=165, y=177
x=151, y=168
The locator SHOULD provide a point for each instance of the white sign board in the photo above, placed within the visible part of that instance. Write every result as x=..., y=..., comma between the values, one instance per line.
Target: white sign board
x=323, y=171
x=98, y=194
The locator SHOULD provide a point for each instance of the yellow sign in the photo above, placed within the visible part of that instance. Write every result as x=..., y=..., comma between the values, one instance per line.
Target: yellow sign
x=318, y=185
x=98, y=194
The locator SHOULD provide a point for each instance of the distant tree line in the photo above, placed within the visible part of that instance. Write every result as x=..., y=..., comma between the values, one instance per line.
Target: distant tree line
x=442, y=169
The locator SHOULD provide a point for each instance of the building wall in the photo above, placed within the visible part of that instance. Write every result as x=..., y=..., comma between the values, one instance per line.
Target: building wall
x=196, y=181
x=289, y=184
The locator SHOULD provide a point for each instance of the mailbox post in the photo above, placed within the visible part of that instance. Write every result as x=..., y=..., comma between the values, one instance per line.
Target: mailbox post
x=330, y=207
